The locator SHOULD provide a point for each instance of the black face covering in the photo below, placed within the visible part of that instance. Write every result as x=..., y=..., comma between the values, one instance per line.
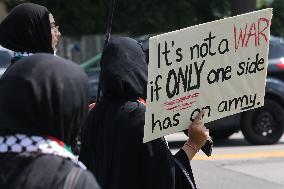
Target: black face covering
x=27, y=29
x=43, y=95
x=124, y=70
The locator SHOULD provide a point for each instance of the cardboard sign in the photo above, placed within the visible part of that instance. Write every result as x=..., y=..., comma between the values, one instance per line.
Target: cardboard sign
x=219, y=67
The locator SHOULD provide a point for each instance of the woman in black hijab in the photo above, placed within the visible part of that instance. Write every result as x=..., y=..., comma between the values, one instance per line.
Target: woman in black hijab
x=43, y=103
x=112, y=140
x=29, y=28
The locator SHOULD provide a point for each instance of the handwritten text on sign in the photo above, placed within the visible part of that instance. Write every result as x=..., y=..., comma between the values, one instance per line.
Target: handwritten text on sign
x=219, y=67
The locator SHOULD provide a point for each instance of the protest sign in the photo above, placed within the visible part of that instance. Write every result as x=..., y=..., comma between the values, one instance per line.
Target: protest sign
x=219, y=67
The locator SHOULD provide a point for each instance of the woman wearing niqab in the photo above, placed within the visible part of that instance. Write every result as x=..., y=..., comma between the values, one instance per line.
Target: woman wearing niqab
x=43, y=103
x=112, y=139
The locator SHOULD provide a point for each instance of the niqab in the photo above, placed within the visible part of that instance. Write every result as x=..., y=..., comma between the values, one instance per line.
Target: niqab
x=124, y=70
x=27, y=29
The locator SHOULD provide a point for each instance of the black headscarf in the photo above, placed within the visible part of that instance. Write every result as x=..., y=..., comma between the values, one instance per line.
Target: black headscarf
x=124, y=70
x=112, y=140
x=27, y=29
x=43, y=95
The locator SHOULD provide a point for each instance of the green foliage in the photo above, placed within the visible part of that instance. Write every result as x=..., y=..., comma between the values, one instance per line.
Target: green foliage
x=277, y=26
x=11, y=3
x=81, y=17
x=164, y=15
x=134, y=17
x=74, y=17
x=263, y=3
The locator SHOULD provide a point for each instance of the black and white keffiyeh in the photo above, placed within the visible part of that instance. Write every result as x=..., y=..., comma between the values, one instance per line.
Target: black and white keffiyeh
x=18, y=55
x=21, y=143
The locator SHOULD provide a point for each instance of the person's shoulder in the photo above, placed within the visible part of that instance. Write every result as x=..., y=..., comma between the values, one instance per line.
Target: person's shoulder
x=55, y=159
x=76, y=176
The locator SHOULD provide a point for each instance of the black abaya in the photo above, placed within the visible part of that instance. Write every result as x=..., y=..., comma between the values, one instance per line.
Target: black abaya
x=112, y=140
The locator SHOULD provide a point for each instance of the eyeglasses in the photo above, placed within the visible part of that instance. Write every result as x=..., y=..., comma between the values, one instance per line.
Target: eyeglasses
x=54, y=27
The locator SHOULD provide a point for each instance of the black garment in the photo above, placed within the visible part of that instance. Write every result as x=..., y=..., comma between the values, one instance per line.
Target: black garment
x=112, y=140
x=124, y=70
x=21, y=171
x=27, y=29
x=42, y=95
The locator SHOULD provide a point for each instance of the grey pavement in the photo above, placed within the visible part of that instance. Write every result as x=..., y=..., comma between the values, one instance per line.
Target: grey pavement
x=259, y=167
x=239, y=175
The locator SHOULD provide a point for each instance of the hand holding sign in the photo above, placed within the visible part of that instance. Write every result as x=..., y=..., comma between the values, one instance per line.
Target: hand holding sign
x=198, y=138
x=219, y=67
x=197, y=132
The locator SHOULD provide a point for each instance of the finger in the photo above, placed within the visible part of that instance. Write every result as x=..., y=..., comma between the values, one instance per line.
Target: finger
x=207, y=132
x=204, y=112
x=199, y=116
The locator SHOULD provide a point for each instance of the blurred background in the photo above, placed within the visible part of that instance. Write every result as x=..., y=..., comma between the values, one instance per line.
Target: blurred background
x=236, y=163
x=83, y=22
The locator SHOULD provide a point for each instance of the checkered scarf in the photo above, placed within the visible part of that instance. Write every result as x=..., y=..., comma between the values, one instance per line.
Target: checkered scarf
x=20, y=143
x=18, y=55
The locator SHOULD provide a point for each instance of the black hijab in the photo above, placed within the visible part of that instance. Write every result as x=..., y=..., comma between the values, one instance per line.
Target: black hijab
x=124, y=70
x=112, y=140
x=27, y=29
x=43, y=95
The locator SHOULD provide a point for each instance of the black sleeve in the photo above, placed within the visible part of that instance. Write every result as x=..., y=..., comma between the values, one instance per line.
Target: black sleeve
x=87, y=181
x=183, y=174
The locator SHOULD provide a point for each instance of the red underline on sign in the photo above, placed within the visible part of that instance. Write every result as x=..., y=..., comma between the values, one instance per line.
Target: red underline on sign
x=181, y=103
